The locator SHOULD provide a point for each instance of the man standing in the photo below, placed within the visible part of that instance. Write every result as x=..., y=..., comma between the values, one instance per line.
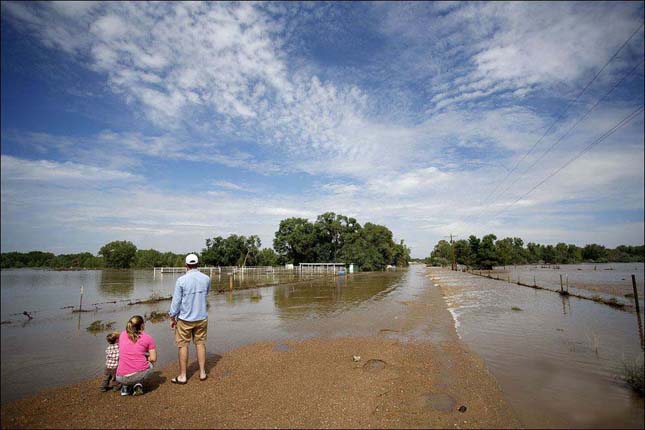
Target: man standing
x=189, y=317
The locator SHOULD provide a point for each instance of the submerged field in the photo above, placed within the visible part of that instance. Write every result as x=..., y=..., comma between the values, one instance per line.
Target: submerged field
x=511, y=355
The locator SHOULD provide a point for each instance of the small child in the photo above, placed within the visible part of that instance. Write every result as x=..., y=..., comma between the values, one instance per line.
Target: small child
x=111, y=362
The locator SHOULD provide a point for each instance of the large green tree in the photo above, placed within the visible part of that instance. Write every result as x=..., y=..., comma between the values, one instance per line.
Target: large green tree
x=331, y=231
x=267, y=257
x=233, y=251
x=401, y=254
x=474, y=244
x=594, y=252
x=561, y=253
x=441, y=255
x=504, y=250
x=118, y=254
x=519, y=253
x=462, y=251
x=295, y=241
x=486, y=257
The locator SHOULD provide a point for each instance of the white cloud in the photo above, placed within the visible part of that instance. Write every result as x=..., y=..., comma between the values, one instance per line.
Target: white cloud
x=227, y=185
x=17, y=169
x=216, y=81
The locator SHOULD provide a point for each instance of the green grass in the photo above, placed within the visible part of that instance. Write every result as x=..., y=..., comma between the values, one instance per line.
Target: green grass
x=633, y=374
x=515, y=308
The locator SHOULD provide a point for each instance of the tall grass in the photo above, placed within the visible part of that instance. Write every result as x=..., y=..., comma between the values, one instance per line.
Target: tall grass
x=634, y=374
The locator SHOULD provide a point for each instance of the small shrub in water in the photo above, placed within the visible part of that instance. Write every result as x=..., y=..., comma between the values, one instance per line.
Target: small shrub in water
x=515, y=308
x=634, y=374
x=156, y=317
x=99, y=326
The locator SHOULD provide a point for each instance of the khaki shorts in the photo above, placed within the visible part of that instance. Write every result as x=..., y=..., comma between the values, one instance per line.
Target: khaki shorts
x=185, y=331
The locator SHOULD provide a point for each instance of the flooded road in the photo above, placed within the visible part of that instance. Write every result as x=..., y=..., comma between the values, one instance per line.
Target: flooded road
x=557, y=359
x=55, y=348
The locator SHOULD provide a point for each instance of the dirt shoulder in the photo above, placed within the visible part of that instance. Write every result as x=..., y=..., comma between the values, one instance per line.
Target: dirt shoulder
x=314, y=383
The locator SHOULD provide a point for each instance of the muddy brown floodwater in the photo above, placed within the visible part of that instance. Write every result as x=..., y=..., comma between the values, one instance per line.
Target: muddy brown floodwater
x=389, y=360
x=418, y=348
x=558, y=359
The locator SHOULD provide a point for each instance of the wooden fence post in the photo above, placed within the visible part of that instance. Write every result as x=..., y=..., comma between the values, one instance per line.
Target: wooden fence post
x=638, y=312
x=638, y=306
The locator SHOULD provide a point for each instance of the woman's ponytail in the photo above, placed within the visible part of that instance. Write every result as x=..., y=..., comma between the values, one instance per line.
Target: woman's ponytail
x=134, y=328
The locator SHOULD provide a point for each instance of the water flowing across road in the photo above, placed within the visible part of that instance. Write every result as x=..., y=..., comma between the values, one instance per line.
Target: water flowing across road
x=557, y=359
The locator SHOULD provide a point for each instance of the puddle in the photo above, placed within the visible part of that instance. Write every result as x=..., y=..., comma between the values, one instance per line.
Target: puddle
x=374, y=365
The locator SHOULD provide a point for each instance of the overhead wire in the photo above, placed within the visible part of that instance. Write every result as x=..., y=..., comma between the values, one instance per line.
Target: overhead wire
x=597, y=141
x=568, y=132
x=561, y=116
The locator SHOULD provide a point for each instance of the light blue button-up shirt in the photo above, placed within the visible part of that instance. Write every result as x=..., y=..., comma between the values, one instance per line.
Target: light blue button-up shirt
x=189, y=298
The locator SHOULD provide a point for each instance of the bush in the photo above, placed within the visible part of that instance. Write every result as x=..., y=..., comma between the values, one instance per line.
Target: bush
x=99, y=326
x=633, y=374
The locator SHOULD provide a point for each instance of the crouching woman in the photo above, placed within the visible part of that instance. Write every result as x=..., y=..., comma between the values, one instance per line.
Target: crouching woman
x=137, y=354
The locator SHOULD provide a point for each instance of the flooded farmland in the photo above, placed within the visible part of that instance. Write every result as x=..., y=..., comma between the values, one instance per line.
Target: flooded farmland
x=605, y=280
x=558, y=359
x=55, y=347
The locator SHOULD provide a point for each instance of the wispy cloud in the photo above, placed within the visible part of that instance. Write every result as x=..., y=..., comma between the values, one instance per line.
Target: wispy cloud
x=406, y=114
x=16, y=169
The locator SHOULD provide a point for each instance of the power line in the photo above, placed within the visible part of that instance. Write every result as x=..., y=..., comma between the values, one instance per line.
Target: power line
x=568, y=132
x=565, y=110
x=600, y=139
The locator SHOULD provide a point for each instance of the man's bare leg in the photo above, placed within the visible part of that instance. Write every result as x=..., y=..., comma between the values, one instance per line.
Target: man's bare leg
x=183, y=363
x=201, y=359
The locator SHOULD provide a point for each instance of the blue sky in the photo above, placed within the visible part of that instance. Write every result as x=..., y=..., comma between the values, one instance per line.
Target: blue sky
x=165, y=124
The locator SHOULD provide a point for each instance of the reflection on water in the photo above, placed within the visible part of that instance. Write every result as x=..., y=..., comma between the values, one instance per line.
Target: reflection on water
x=55, y=348
x=330, y=295
x=558, y=359
x=116, y=283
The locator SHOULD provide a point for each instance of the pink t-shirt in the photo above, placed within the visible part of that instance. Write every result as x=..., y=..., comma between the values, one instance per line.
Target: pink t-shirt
x=131, y=355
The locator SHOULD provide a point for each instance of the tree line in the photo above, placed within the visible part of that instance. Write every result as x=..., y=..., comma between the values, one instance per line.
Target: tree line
x=488, y=252
x=331, y=238
x=117, y=254
x=340, y=239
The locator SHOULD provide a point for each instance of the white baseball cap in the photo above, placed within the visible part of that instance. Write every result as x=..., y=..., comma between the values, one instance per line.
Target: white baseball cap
x=192, y=259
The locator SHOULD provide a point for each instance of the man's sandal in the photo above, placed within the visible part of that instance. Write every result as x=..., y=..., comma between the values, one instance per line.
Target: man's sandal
x=204, y=378
x=176, y=380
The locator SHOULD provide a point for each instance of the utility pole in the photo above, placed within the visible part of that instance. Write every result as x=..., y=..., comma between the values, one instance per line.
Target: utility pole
x=452, y=251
